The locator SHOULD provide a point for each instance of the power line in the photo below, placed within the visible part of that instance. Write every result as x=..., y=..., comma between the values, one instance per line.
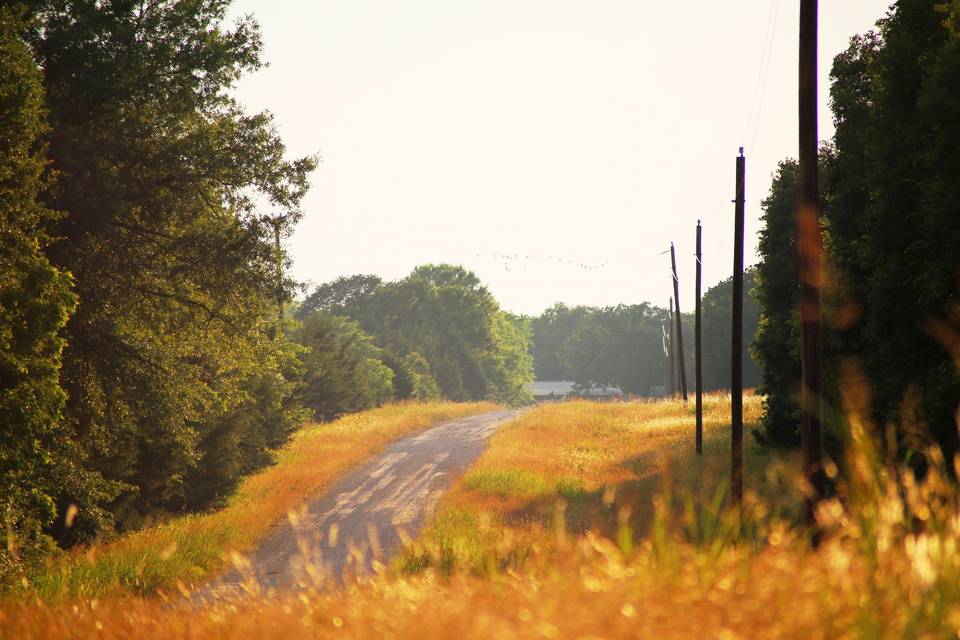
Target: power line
x=759, y=88
x=765, y=65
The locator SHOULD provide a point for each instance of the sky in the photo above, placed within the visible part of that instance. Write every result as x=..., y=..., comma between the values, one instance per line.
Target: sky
x=554, y=147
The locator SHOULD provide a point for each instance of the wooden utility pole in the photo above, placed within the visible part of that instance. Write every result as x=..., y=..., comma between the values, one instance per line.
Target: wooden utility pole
x=698, y=350
x=809, y=250
x=673, y=352
x=666, y=358
x=736, y=359
x=676, y=298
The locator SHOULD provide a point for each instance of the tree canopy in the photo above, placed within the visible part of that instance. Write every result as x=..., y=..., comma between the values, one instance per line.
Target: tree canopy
x=440, y=329
x=622, y=346
x=36, y=457
x=890, y=198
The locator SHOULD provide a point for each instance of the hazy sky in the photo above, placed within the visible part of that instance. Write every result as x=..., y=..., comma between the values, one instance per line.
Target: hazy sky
x=587, y=132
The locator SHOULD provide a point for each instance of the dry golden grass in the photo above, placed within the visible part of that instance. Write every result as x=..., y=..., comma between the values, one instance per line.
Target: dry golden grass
x=580, y=465
x=190, y=548
x=888, y=566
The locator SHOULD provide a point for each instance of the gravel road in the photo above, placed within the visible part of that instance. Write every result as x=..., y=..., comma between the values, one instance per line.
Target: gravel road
x=363, y=516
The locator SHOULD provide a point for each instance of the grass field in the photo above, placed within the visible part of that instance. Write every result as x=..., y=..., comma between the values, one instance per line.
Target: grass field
x=189, y=548
x=579, y=466
x=597, y=521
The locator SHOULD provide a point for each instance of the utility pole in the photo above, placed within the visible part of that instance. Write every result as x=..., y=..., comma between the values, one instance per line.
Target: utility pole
x=673, y=352
x=736, y=352
x=666, y=358
x=698, y=350
x=810, y=250
x=676, y=298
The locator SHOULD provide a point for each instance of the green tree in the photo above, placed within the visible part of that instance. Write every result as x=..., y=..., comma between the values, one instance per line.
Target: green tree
x=245, y=438
x=892, y=207
x=336, y=297
x=717, y=332
x=509, y=365
x=443, y=315
x=550, y=329
x=891, y=198
x=412, y=379
x=343, y=368
x=36, y=457
x=171, y=195
x=614, y=346
x=776, y=345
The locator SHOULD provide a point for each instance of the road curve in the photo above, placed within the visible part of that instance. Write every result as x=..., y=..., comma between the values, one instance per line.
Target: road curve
x=363, y=516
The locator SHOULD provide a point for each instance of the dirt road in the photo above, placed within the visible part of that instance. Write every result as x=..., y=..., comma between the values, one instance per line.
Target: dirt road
x=360, y=518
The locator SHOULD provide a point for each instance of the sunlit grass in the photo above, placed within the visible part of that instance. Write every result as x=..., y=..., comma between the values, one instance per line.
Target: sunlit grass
x=494, y=564
x=190, y=548
x=505, y=483
x=576, y=465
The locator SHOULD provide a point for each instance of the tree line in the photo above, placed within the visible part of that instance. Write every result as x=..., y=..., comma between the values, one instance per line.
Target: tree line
x=436, y=333
x=149, y=358
x=623, y=346
x=890, y=193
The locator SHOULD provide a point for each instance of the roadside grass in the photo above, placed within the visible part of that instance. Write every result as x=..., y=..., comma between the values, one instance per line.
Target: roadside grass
x=887, y=565
x=188, y=549
x=578, y=466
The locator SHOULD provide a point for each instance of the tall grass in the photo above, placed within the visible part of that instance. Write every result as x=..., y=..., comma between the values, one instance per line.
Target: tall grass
x=887, y=566
x=581, y=466
x=188, y=549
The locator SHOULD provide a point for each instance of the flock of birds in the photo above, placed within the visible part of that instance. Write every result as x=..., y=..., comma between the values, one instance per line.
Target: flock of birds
x=516, y=259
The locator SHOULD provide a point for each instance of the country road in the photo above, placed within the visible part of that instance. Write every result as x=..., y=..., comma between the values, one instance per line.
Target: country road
x=360, y=518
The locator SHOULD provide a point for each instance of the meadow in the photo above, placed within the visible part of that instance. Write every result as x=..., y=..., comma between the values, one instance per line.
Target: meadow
x=590, y=520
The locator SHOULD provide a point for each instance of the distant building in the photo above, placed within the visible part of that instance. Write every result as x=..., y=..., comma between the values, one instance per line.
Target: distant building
x=556, y=390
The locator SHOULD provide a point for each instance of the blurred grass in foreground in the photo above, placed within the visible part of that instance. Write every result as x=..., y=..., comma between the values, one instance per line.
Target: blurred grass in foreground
x=189, y=548
x=520, y=548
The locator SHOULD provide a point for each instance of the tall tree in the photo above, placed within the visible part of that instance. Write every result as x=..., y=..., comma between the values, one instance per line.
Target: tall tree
x=892, y=209
x=340, y=295
x=612, y=346
x=777, y=342
x=160, y=176
x=343, y=368
x=550, y=329
x=891, y=201
x=36, y=457
x=717, y=307
x=443, y=315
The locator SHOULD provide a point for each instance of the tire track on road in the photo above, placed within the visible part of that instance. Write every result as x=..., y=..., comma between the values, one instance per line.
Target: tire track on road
x=361, y=517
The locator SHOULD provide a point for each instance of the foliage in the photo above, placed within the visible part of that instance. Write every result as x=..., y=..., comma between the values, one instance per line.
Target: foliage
x=890, y=201
x=343, y=293
x=412, y=379
x=173, y=353
x=622, y=346
x=891, y=211
x=777, y=343
x=717, y=310
x=193, y=547
x=509, y=365
x=441, y=315
x=550, y=330
x=36, y=458
x=245, y=438
x=343, y=369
